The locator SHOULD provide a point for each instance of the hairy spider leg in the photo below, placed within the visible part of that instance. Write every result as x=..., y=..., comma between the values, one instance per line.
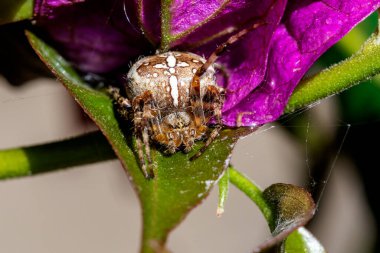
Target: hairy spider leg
x=195, y=86
x=143, y=115
x=222, y=48
x=171, y=147
x=155, y=121
x=189, y=138
x=196, y=102
x=122, y=104
x=213, y=101
x=145, y=112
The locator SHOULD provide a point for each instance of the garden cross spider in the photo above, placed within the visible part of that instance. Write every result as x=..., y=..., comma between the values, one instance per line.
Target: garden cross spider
x=172, y=97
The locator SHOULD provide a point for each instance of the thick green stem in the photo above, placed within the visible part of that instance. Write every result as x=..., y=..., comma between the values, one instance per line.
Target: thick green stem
x=89, y=148
x=361, y=66
x=247, y=186
x=153, y=240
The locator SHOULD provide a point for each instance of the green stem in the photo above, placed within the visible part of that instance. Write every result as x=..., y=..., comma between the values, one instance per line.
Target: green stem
x=153, y=239
x=361, y=66
x=89, y=148
x=165, y=24
x=247, y=186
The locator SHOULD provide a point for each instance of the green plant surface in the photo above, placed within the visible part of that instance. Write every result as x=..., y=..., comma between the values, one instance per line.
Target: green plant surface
x=286, y=209
x=15, y=10
x=290, y=205
x=178, y=186
x=302, y=241
x=292, y=208
x=89, y=148
x=223, y=185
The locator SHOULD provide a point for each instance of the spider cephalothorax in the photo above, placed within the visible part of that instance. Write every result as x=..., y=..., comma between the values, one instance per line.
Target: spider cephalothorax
x=170, y=103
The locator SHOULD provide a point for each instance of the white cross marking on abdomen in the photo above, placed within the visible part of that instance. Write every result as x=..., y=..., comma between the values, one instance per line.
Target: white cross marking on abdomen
x=174, y=89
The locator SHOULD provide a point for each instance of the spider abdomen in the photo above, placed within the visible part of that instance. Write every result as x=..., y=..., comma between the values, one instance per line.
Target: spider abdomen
x=171, y=98
x=168, y=77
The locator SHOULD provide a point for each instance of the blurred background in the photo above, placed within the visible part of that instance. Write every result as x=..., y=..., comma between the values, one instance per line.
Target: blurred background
x=93, y=208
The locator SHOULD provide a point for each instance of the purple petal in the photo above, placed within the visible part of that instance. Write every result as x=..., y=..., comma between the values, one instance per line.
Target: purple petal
x=307, y=31
x=186, y=15
x=194, y=22
x=96, y=36
x=245, y=62
x=149, y=19
x=45, y=8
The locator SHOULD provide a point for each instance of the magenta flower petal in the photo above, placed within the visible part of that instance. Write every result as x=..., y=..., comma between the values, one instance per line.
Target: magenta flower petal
x=195, y=21
x=308, y=29
x=186, y=15
x=96, y=36
x=45, y=8
x=149, y=19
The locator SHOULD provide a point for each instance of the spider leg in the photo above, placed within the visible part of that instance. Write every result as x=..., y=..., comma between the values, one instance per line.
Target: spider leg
x=196, y=101
x=145, y=137
x=221, y=48
x=195, y=91
x=140, y=154
x=239, y=118
x=123, y=104
x=189, y=140
x=211, y=93
x=215, y=132
x=213, y=104
x=142, y=115
x=171, y=147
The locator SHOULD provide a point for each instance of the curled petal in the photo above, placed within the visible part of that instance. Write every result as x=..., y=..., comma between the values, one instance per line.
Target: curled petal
x=149, y=17
x=96, y=36
x=308, y=29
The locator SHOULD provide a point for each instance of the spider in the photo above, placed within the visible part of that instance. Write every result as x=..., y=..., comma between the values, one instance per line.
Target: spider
x=172, y=97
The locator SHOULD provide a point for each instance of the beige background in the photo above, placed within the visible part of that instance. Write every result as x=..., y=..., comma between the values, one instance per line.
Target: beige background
x=93, y=208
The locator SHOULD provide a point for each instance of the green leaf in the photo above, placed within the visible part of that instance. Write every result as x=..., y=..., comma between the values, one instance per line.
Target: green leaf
x=302, y=241
x=179, y=184
x=15, y=10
